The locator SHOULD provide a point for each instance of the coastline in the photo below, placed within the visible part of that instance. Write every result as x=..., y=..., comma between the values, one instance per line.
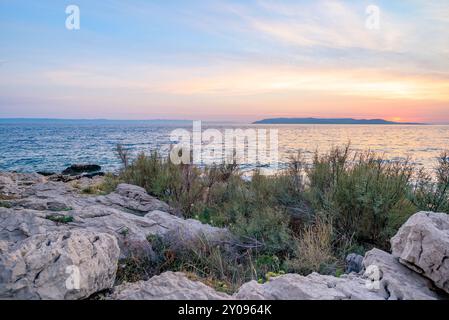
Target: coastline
x=128, y=223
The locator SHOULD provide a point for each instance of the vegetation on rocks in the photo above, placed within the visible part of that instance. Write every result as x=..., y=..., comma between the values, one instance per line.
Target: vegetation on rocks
x=60, y=218
x=305, y=218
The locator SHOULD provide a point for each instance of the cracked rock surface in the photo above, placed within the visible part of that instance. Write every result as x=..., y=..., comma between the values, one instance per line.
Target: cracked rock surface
x=167, y=286
x=422, y=244
x=58, y=265
x=56, y=243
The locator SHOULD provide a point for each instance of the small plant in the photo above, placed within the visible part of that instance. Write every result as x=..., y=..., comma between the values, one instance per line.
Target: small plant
x=124, y=231
x=109, y=184
x=5, y=204
x=270, y=275
x=314, y=249
x=60, y=218
x=88, y=190
x=59, y=208
x=133, y=269
x=339, y=272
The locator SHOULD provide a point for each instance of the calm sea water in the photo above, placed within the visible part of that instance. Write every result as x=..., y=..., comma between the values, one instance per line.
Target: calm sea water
x=29, y=146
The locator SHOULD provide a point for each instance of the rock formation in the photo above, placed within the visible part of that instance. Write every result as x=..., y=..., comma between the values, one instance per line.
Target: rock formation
x=422, y=244
x=57, y=243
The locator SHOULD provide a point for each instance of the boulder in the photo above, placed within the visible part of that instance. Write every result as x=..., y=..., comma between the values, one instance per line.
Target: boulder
x=422, y=244
x=12, y=184
x=393, y=281
x=29, y=216
x=185, y=231
x=48, y=190
x=384, y=279
x=134, y=199
x=167, y=286
x=78, y=169
x=312, y=287
x=17, y=225
x=59, y=265
x=46, y=173
x=354, y=263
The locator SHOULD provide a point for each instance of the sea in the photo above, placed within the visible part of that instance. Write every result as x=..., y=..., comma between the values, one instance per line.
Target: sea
x=31, y=145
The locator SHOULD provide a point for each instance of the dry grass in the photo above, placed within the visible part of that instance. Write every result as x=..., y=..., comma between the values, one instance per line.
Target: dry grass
x=314, y=247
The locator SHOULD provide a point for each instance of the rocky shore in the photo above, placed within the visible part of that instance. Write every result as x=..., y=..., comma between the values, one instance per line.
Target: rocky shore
x=58, y=243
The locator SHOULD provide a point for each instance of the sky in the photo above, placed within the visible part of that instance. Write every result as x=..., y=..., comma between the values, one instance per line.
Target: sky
x=225, y=60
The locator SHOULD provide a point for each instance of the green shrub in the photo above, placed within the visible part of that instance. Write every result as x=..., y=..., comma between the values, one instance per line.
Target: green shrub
x=432, y=193
x=359, y=191
x=267, y=228
x=305, y=218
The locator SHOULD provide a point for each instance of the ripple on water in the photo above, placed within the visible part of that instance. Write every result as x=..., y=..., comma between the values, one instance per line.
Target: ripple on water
x=53, y=147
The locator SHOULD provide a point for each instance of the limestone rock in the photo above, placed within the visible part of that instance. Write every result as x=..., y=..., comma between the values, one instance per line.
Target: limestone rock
x=394, y=281
x=59, y=265
x=17, y=225
x=186, y=230
x=167, y=286
x=312, y=287
x=422, y=244
x=12, y=184
x=133, y=198
x=28, y=217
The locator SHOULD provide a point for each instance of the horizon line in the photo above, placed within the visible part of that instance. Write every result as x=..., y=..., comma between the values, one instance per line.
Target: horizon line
x=224, y=120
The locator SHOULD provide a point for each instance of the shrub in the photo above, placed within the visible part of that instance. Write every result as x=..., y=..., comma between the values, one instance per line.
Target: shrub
x=432, y=193
x=180, y=185
x=223, y=265
x=109, y=184
x=305, y=218
x=267, y=229
x=358, y=191
x=314, y=248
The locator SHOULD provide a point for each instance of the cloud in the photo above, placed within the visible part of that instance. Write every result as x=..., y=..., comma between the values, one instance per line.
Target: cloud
x=237, y=79
x=333, y=24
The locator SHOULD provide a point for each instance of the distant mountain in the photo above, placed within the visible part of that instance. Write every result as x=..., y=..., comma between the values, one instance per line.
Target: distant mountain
x=327, y=121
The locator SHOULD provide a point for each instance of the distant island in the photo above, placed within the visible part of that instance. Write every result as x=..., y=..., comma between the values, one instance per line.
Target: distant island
x=329, y=121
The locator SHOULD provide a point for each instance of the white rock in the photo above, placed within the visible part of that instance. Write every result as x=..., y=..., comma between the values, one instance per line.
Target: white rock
x=133, y=198
x=59, y=265
x=13, y=184
x=186, y=230
x=312, y=287
x=394, y=281
x=422, y=244
x=28, y=217
x=167, y=286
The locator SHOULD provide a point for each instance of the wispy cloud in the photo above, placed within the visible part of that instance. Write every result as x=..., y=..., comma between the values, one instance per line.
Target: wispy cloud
x=192, y=57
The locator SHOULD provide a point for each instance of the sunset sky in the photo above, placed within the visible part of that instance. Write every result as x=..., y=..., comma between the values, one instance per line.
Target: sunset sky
x=225, y=60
